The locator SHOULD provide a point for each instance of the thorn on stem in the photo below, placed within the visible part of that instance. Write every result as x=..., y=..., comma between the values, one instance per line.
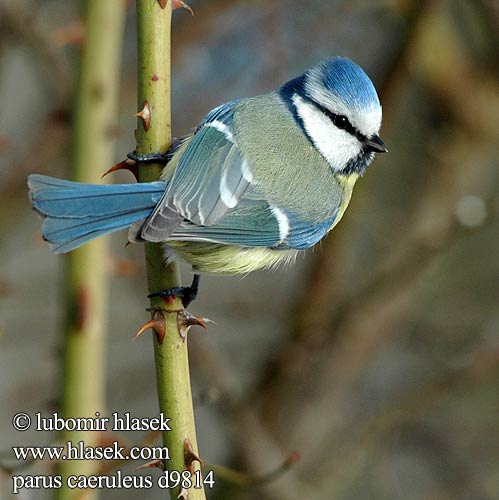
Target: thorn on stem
x=145, y=114
x=127, y=164
x=185, y=320
x=157, y=323
x=153, y=463
x=162, y=3
x=190, y=456
x=179, y=4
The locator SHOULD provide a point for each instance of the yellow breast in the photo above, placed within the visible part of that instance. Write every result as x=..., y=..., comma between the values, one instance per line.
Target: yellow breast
x=347, y=182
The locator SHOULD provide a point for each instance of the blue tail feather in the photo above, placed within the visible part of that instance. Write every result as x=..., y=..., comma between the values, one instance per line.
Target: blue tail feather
x=75, y=213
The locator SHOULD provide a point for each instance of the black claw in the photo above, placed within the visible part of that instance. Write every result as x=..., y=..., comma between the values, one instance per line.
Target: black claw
x=157, y=157
x=186, y=293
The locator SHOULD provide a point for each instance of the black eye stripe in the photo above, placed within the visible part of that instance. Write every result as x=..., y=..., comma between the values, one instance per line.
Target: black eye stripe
x=339, y=121
x=296, y=88
x=335, y=118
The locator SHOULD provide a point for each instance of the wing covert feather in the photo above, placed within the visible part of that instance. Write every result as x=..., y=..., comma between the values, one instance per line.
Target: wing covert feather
x=210, y=178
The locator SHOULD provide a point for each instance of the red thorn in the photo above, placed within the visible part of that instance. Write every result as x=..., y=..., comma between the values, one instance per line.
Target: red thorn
x=185, y=320
x=153, y=463
x=179, y=4
x=157, y=323
x=162, y=3
x=127, y=164
x=150, y=324
x=190, y=456
x=145, y=114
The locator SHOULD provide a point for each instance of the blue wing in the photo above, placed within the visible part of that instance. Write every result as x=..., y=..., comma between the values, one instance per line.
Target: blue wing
x=209, y=180
x=211, y=197
x=257, y=224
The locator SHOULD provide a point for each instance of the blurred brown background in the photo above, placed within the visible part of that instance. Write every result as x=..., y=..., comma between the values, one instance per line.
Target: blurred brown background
x=376, y=355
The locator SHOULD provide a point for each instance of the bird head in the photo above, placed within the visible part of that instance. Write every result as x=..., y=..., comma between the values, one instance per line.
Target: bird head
x=336, y=105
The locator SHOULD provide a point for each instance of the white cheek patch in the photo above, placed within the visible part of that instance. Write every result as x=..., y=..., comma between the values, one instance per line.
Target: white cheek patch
x=337, y=146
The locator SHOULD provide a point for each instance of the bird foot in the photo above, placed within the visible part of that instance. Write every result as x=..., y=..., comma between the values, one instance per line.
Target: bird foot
x=186, y=293
x=155, y=157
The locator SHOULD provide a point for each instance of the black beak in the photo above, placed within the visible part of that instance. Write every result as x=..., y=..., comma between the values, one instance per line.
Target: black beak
x=375, y=144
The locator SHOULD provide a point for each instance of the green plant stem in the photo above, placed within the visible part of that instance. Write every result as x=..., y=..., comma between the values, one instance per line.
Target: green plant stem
x=86, y=277
x=171, y=356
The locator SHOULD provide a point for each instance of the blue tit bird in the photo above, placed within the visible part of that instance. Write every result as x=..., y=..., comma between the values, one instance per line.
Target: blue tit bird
x=260, y=179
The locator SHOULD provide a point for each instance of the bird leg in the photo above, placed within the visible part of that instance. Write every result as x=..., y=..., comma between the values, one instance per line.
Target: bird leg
x=186, y=293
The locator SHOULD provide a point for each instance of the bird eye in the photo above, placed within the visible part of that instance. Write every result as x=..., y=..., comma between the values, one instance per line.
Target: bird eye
x=341, y=121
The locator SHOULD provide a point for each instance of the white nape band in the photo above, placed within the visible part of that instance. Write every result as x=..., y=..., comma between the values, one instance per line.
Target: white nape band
x=282, y=221
x=221, y=127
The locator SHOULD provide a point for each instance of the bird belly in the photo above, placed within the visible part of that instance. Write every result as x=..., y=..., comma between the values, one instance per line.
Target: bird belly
x=214, y=258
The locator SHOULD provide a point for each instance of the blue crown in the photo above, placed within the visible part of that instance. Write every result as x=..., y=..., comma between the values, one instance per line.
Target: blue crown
x=348, y=81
